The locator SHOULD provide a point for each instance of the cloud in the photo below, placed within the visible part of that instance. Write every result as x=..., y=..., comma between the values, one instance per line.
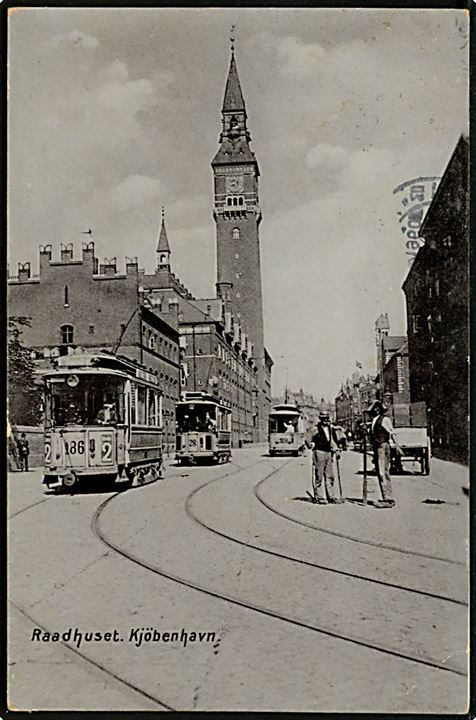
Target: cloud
x=135, y=191
x=324, y=156
x=299, y=58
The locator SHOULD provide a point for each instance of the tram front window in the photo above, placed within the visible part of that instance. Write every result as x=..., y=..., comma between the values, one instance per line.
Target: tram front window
x=195, y=418
x=283, y=425
x=92, y=401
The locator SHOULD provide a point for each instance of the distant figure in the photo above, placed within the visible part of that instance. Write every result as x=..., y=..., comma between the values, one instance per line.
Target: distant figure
x=210, y=423
x=325, y=446
x=23, y=451
x=289, y=428
x=382, y=433
x=107, y=415
x=13, y=458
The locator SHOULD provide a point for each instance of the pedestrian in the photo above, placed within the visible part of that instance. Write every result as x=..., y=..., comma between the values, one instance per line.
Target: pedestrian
x=23, y=451
x=381, y=434
x=324, y=447
x=13, y=458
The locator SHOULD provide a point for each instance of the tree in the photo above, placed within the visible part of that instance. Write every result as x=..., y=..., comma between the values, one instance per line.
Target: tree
x=24, y=397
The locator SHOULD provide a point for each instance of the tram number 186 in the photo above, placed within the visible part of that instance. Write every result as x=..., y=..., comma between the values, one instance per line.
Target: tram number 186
x=74, y=447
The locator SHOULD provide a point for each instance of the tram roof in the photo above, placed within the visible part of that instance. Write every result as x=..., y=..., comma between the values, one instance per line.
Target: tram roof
x=100, y=364
x=203, y=401
x=285, y=410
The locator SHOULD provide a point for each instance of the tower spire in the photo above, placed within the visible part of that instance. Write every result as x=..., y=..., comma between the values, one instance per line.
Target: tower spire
x=163, y=247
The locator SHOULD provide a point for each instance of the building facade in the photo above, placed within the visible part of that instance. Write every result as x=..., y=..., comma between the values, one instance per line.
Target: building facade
x=81, y=304
x=437, y=297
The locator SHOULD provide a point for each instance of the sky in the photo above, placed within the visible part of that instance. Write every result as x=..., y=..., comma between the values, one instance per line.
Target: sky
x=116, y=112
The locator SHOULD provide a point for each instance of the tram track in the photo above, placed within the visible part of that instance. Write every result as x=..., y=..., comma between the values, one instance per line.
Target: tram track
x=236, y=601
x=351, y=538
x=300, y=561
x=94, y=663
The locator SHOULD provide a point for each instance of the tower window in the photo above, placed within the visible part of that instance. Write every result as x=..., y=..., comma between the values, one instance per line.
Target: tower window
x=240, y=201
x=67, y=332
x=66, y=296
x=163, y=259
x=236, y=233
x=235, y=201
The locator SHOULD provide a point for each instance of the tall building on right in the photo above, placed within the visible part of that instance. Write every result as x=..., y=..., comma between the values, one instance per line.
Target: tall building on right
x=437, y=297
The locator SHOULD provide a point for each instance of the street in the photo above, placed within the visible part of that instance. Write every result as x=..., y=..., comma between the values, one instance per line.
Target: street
x=285, y=605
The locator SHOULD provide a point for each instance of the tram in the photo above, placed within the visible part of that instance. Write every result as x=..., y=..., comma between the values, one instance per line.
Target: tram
x=203, y=429
x=286, y=431
x=103, y=421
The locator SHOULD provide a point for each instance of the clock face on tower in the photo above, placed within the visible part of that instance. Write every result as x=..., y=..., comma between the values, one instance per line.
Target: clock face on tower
x=234, y=184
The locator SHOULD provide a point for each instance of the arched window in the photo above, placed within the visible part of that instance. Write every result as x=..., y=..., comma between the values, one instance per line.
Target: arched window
x=240, y=200
x=67, y=332
x=236, y=233
x=151, y=341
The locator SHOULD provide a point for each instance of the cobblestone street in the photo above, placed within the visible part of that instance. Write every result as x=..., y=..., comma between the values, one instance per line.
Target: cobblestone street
x=306, y=607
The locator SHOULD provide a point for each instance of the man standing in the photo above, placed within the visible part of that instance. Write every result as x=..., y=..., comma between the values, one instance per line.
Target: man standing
x=23, y=451
x=381, y=434
x=324, y=446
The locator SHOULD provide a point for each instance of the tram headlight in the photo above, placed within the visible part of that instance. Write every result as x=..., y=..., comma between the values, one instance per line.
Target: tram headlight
x=69, y=479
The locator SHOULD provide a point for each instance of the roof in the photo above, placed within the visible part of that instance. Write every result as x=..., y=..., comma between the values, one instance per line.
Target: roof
x=163, y=245
x=233, y=99
x=392, y=343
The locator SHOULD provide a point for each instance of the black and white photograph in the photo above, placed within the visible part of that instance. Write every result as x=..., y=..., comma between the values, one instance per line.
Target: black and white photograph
x=238, y=351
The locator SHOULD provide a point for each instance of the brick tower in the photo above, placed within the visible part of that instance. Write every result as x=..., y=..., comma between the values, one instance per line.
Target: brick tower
x=237, y=216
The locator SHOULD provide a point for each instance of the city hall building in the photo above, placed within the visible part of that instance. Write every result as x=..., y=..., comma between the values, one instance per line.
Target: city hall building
x=215, y=345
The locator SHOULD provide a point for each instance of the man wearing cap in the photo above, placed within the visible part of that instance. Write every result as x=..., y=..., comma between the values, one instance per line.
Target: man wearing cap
x=324, y=445
x=382, y=433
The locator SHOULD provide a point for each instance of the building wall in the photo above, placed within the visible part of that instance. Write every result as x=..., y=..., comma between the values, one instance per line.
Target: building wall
x=99, y=308
x=437, y=297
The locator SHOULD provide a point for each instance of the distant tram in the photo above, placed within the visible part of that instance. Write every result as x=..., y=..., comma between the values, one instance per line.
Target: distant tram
x=103, y=421
x=203, y=429
x=286, y=431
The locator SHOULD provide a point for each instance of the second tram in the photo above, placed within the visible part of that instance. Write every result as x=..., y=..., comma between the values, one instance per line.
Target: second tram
x=286, y=431
x=203, y=429
x=102, y=421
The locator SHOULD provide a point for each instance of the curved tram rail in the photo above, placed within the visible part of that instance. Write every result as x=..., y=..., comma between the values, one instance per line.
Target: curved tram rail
x=362, y=642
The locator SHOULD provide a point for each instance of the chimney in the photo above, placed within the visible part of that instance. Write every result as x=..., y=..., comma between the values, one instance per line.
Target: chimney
x=66, y=252
x=45, y=257
x=109, y=267
x=88, y=253
x=224, y=290
x=24, y=271
x=132, y=266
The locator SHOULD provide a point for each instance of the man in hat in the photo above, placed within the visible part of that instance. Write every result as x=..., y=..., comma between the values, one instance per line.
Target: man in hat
x=324, y=446
x=382, y=433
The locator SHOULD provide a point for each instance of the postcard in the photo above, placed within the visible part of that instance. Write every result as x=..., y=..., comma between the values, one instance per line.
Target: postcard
x=238, y=302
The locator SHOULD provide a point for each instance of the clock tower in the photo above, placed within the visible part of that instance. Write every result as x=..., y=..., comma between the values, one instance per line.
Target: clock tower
x=237, y=215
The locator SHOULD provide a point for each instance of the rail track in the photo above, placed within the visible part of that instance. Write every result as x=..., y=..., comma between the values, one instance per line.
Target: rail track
x=227, y=597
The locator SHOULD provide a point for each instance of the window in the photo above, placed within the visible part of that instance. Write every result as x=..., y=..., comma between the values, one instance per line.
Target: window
x=67, y=332
x=152, y=341
x=416, y=323
x=236, y=233
x=66, y=296
x=91, y=329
